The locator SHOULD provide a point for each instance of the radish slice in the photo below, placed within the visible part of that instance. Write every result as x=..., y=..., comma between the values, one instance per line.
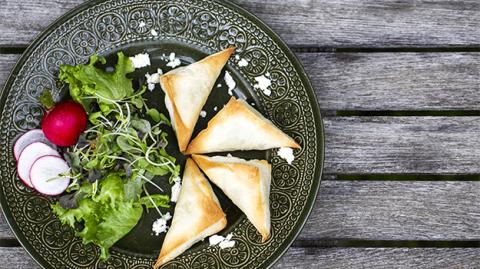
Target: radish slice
x=35, y=135
x=46, y=175
x=28, y=156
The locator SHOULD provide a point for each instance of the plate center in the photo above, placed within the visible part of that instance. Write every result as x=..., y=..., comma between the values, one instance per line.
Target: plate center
x=141, y=240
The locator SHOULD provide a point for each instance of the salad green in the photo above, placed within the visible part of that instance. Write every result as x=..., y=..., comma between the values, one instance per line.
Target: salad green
x=122, y=150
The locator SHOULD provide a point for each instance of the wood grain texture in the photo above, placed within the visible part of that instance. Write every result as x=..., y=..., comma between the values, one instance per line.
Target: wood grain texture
x=395, y=81
x=394, y=210
x=374, y=258
x=382, y=81
x=389, y=210
x=325, y=23
x=7, y=61
x=430, y=145
x=16, y=258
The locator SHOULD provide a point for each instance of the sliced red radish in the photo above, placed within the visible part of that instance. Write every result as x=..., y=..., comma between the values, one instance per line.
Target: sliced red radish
x=35, y=135
x=48, y=175
x=28, y=156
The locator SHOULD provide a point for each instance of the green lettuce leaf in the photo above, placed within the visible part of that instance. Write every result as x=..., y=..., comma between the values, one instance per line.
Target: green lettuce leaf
x=86, y=80
x=106, y=217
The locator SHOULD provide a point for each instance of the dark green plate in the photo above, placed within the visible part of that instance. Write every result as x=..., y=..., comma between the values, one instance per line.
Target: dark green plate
x=192, y=29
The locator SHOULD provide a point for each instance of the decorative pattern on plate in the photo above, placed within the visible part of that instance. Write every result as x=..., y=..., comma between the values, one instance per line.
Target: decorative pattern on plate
x=211, y=26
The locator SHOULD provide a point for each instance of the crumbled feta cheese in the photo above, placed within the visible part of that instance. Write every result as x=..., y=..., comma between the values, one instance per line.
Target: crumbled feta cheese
x=237, y=57
x=174, y=61
x=175, y=192
x=263, y=83
x=140, y=60
x=222, y=242
x=226, y=244
x=215, y=239
x=215, y=108
x=153, y=32
x=253, y=104
x=160, y=225
x=243, y=63
x=286, y=154
x=153, y=78
x=203, y=114
x=219, y=85
x=141, y=24
x=230, y=82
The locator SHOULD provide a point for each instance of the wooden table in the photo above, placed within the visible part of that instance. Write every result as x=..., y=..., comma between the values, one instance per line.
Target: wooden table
x=398, y=83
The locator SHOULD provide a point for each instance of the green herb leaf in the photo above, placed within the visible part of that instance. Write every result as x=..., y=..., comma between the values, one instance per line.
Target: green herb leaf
x=160, y=200
x=46, y=99
x=157, y=116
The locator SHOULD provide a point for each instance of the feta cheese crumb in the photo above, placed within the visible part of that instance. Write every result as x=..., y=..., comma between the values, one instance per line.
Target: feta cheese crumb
x=153, y=78
x=222, y=242
x=286, y=154
x=174, y=61
x=219, y=85
x=176, y=189
x=160, y=225
x=215, y=239
x=230, y=83
x=243, y=63
x=215, y=108
x=263, y=83
x=140, y=60
x=226, y=244
x=141, y=24
x=237, y=57
x=203, y=114
x=153, y=32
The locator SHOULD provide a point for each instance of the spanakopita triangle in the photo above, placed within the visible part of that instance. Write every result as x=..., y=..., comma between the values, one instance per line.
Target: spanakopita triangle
x=198, y=214
x=187, y=89
x=238, y=126
x=246, y=183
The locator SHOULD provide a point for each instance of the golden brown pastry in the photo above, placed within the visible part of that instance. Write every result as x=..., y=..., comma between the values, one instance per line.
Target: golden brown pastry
x=187, y=89
x=197, y=215
x=238, y=126
x=246, y=183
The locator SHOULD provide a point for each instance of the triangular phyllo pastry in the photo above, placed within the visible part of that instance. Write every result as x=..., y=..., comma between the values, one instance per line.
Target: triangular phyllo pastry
x=238, y=126
x=187, y=89
x=246, y=183
x=197, y=215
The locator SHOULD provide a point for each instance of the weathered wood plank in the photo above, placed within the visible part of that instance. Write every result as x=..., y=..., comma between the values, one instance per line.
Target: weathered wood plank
x=323, y=23
x=382, y=81
x=389, y=210
x=395, y=81
x=5, y=232
x=13, y=258
x=16, y=258
x=395, y=210
x=7, y=61
x=380, y=258
x=435, y=145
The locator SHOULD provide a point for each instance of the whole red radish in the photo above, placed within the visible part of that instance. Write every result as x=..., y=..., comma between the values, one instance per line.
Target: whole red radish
x=63, y=124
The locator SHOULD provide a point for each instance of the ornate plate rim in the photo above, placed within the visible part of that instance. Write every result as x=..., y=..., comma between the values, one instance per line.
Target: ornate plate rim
x=310, y=202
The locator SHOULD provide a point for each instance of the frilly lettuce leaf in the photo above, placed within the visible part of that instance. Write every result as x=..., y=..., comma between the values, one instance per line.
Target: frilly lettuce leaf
x=86, y=80
x=106, y=217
